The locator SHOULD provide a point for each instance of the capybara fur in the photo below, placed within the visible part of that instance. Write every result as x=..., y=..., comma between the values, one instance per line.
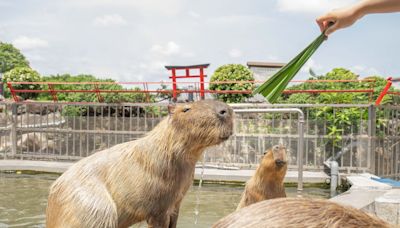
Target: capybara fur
x=267, y=182
x=141, y=180
x=298, y=213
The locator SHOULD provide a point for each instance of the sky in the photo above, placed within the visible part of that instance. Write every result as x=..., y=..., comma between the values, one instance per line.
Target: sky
x=132, y=40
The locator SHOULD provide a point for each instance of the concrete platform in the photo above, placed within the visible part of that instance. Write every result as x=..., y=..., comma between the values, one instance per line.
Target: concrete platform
x=372, y=196
x=244, y=175
x=210, y=174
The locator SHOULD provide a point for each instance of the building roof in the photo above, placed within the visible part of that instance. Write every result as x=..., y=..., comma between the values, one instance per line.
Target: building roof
x=189, y=66
x=265, y=64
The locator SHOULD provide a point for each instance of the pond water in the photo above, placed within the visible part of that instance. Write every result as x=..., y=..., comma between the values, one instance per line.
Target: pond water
x=23, y=201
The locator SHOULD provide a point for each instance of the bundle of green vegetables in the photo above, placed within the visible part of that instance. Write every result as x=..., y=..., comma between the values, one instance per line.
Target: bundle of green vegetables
x=274, y=86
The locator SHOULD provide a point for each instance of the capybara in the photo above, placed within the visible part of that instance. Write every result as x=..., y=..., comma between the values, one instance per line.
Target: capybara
x=299, y=212
x=142, y=180
x=267, y=182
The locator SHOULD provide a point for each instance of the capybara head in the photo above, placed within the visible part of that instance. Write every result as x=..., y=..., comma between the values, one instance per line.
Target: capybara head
x=299, y=212
x=277, y=156
x=206, y=122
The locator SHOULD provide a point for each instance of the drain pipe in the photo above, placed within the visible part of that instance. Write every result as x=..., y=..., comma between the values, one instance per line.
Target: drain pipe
x=331, y=167
x=334, y=177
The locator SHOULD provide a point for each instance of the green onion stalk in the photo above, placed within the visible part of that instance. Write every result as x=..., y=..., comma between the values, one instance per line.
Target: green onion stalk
x=274, y=86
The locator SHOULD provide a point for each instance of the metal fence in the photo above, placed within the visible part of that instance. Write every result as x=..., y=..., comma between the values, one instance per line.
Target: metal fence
x=361, y=137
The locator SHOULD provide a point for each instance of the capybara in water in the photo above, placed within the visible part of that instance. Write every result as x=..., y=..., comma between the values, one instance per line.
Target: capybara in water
x=299, y=212
x=142, y=180
x=267, y=182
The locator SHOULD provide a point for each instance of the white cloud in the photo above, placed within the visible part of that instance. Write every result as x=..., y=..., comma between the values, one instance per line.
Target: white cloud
x=239, y=19
x=364, y=70
x=169, y=7
x=28, y=43
x=311, y=64
x=109, y=20
x=193, y=14
x=311, y=6
x=171, y=48
x=235, y=53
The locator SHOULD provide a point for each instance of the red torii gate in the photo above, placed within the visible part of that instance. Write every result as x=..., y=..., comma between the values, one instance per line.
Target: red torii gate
x=187, y=74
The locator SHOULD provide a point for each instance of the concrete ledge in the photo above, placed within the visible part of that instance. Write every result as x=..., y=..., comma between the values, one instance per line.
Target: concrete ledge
x=363, y=191
x=245, y=175
x=210, y=174
x=366, y=183
x=387, y=206
x=41, y=166
x=358, y=198
x=372, y=196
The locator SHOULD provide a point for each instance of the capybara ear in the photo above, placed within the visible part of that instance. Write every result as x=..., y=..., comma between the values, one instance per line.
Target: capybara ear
x=171, y=109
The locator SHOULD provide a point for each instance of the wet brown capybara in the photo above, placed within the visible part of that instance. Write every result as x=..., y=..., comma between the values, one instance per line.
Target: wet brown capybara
x=141, y=180
x=267, y=182
x=299, y=213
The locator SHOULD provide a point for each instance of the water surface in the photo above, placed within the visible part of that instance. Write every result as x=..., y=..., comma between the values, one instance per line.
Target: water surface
x=23, y=201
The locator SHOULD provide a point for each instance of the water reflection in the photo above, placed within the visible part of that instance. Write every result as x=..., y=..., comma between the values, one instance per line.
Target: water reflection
x=23, y=201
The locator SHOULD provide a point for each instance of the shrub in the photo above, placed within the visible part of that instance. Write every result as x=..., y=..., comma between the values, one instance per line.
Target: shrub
x=232, y=72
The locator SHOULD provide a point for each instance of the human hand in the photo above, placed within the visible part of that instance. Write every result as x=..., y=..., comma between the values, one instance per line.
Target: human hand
x=338, y=19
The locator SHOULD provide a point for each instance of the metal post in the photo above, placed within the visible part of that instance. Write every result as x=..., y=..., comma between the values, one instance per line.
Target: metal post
x=13, y=133
x=371, y=138
x=384, y=91
x=300, y=152
x=334, y=177
x=300, y=149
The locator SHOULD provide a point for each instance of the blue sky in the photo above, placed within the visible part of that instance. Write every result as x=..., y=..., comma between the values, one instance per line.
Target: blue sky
x=131, y=40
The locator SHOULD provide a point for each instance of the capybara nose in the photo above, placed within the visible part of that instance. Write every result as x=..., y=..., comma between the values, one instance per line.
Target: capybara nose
x=280, y=162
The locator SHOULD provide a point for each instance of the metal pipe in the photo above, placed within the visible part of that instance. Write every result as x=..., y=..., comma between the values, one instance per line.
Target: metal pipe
x=334, y=177
x=300, y=149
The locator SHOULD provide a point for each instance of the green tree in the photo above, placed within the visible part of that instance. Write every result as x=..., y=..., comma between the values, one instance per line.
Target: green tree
x=343, y=121
x=232, y=72
x=91, y=97
x=337, y=98
x=23, y=74
x=11, y=57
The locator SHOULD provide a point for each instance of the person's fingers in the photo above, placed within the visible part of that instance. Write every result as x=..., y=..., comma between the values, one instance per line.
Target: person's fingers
x=324, y=21
x=332, y=28
x=321, y=25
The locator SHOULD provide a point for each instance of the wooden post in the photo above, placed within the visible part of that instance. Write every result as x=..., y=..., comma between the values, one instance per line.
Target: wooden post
x=174, y=87
x=201, y=82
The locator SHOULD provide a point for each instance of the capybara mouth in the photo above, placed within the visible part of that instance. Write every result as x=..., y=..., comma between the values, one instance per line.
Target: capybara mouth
x=225, y=137
x=280, y=163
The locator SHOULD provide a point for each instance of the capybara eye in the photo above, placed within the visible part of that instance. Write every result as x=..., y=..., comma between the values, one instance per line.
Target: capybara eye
x=186, y=109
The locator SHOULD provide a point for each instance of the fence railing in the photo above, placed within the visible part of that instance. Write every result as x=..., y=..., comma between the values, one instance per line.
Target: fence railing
x=362, y=137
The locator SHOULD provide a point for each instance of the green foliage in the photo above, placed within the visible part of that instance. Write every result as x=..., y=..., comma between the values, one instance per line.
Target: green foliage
x=23, y=74
x=337, y=98
x=343, y=121
x=90, y=97
x=10, y=58
x=232, y=72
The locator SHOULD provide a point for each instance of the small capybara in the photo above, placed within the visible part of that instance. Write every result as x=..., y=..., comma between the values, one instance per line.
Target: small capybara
x=267, y=182
x=299, y=212
x=141, y=180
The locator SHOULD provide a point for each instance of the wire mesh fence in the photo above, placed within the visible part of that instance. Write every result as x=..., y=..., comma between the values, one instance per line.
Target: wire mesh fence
x=360, y=137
